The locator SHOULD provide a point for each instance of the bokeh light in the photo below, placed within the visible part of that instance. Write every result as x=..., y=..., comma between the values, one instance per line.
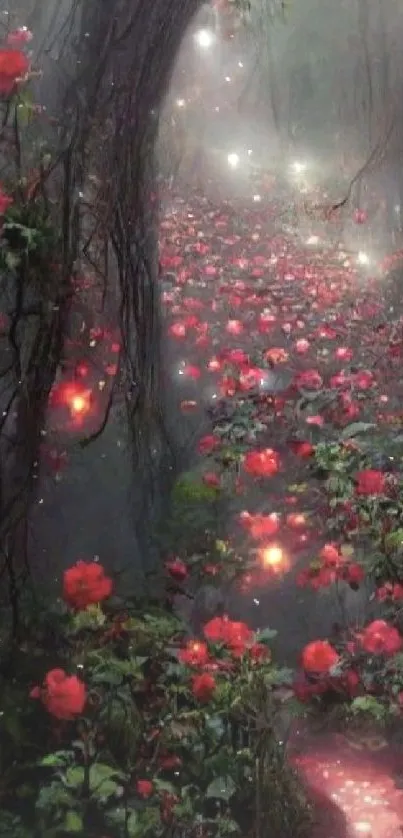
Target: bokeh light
x=273, y=558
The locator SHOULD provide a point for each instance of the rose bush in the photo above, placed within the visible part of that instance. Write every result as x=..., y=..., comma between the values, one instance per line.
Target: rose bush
x=157, y=731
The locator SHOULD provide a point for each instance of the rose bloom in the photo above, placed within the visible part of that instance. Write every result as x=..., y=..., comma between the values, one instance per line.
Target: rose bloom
x=393, y=591
x=207, y=444
x=14, y=65
x=309, y=379
x=259, y=653
x=195, y=653
x=263, y=463
x=380, y=638
x=22, y=35
x=211, y=479
x=370, y=482
x=331, y=556
x=304, y=690
x=260, y=526
x=301, y=448
x=319, y=657
x=234, y=634
x=144, y=788
x=354, y=574
x=5, y=201
x=85, y=584
x=203, y=686
x=64, y=696
x=177, y=569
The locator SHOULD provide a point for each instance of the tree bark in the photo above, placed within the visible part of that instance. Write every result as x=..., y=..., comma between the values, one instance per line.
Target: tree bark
x=107, y=65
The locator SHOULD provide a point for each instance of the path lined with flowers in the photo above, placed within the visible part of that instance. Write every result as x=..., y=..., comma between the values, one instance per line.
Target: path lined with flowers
x=302, y=344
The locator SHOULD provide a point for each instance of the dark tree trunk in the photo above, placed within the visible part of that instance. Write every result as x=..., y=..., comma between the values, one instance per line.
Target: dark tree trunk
x=107, y=65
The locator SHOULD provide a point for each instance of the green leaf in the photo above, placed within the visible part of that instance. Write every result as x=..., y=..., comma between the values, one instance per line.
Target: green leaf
x=90, y=618
x=369, y=704
x=75, y=776
x=394, y=539
x=132, y=825
x=347, y=550
x=104, y=780
x=228, y=827
x=215, y=725
x=73, y=822
x=25, y=108
x=164, y=785
x=12, y=260
x=222, y=788
x=278, y=677
x=265, y=635
x=59, y=759
x=355, y=429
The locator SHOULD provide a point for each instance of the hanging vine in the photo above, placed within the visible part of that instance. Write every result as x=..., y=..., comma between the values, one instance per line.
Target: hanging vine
x=79, y=191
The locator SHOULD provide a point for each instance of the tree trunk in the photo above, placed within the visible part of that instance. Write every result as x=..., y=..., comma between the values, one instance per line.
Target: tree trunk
x=106, y=68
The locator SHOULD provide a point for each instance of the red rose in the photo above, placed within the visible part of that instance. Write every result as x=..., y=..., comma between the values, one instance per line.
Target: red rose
x=263, y=463
x=5, y=202
x=370, y=482
x=203, y=686
x=301, y=449
x=304, y=690
x=64, y=696
x=85, y=584
x=319, y=657
x=259, y=653
x=144, y=788
x=381, y=638
x=22, y=35
x=309, y=379
x=14, y=65
x=195, y=653
x=177, y=569
x=211, y=479
x=354, y=574
x=234, y=634
x=207, y=444
x=260, y=526
x=331, y=556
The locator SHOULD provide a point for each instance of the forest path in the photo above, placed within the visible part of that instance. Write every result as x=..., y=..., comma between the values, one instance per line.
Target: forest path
x=239, y=284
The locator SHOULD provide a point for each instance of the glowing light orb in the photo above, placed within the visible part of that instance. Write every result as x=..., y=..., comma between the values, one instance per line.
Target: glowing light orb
x=233, y=160
x=363, y=258
x=80, y=404
x=313, y=240
x=74, y=397
x=298, y=167
x=180, y=103
x=257, y=198
x=204, y=38
x=273, y=558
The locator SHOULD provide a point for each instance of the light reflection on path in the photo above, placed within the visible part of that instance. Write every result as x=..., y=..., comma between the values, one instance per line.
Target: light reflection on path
x=353, y=783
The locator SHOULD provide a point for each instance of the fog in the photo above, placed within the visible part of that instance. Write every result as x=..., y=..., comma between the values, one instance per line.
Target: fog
x=317, y=84
x=299, y=111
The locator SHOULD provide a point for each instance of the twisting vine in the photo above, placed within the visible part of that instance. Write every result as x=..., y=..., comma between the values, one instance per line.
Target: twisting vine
x=106, y=65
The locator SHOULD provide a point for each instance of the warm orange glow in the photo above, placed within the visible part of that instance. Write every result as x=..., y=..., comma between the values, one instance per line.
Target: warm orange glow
x=79, y=405
x=74, y=397
x=273, y=558
x=296, y=520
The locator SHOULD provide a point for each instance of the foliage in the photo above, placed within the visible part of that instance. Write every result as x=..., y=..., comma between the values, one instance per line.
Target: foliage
x=364, y=494
x=154, y=750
